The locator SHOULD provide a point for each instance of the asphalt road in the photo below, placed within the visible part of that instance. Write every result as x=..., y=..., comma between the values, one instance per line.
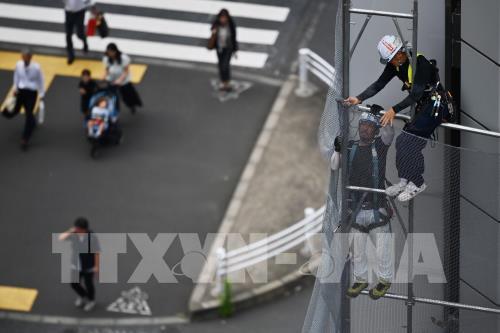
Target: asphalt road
x=284, y=315
x=175, y=172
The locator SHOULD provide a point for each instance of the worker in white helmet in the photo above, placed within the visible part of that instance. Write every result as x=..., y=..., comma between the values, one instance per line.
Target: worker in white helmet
x=409, y=145
x=370, y=213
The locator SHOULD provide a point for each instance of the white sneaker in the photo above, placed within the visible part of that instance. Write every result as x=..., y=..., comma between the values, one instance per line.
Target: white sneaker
x=79, y=302
x=89, y=306
x=411, y=191
x=395, y=189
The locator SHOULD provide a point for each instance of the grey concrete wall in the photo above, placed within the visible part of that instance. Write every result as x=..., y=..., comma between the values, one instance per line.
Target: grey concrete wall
x=480, y=187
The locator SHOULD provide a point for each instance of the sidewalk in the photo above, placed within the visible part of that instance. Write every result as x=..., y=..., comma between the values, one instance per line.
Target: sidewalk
x=285, y=174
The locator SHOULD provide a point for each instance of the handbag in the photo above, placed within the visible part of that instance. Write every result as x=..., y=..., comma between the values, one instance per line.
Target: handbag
x=9, y=106
x=211, y=41
x=91, y=27
x=41, y=112
x=102, y=25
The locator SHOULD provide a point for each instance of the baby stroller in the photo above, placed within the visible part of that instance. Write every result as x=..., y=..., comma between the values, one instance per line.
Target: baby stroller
x=102, y=124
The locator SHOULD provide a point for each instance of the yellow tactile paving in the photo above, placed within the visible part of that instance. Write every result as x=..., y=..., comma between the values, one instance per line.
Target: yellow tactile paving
x=17, y=299
x=52, y=66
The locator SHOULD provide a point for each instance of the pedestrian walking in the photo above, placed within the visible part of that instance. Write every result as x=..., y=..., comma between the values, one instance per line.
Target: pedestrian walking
x=427, y=93
x=118, y=76
x=75, y=20
x=28, y=85
x=223, y=40
x=85, y=261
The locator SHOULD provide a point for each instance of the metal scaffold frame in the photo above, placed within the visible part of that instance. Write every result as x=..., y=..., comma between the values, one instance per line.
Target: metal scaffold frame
x=410, y=299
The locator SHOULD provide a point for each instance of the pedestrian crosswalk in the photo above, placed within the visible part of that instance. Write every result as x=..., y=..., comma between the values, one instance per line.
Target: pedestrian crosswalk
x=163, y=36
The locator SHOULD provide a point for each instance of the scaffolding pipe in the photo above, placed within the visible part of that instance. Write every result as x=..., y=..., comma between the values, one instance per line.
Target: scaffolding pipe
x=365, y=189
x=440, y=303
x=455, y=127
x=356, y=41
x=380, y=13
x=344, y=222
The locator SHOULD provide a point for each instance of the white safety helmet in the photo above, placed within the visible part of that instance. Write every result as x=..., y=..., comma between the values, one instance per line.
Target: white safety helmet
x=388, y=46
x=367, y=117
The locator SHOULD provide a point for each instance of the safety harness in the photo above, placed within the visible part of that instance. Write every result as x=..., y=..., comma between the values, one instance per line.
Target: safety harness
x=409, y=83
x=375, y=178
x=434, y=108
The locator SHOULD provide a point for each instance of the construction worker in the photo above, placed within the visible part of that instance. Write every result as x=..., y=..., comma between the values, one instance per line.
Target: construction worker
x=409, y=145
x=369, y=212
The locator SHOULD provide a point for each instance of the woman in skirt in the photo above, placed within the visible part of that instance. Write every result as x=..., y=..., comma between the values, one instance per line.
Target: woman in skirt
x=118, y=76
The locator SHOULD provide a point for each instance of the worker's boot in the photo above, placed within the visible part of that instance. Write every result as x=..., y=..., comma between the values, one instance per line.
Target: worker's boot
x=356, y=289
x=411, y=191
x=396, y=189
x=380, y=289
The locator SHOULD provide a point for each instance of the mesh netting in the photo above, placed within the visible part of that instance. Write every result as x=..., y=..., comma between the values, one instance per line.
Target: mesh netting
x=371, y=243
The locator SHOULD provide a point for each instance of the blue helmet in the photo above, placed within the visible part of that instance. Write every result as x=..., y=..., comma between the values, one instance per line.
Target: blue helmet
x=371, y=118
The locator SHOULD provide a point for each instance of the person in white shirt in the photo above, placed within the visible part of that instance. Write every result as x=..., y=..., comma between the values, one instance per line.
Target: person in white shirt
x=28, y=85
x=117, y=75
x=74, y=18
x=226, y=45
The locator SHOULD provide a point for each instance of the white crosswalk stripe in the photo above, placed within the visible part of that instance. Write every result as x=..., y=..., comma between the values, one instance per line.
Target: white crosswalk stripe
x=150, y=26
x=138, y=23
x=238, y=9
x=133, y=47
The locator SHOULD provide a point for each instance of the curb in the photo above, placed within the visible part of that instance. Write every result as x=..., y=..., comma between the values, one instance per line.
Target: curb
x=283, y=286
x=208, y=271
x=259, y=293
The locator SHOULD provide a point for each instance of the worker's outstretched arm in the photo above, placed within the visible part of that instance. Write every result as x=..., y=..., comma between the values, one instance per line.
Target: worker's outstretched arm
x=387, y=75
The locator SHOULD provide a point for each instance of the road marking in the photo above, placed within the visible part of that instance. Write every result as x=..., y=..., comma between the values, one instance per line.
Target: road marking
x=138, y=23
x=52, y=66
x=238, y=9
x=133, y=301
x=17, y=299
x=135, y=321
x=132, y=47
x=238, y=87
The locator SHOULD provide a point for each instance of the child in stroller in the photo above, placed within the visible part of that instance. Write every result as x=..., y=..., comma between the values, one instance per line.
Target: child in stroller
x=102, y=125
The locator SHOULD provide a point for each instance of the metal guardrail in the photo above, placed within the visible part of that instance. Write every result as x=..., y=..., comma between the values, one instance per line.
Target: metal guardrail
x=267, y=248
x=311, y=62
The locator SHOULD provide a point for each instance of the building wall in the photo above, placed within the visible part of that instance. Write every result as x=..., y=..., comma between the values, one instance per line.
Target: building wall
x=480, y=89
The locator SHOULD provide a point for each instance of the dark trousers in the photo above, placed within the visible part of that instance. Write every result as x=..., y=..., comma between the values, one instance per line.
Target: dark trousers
x=224, y=57
x=74, y=19
x=88, y=280
x=27, y=99
x=130, y=95
x=409, y=157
